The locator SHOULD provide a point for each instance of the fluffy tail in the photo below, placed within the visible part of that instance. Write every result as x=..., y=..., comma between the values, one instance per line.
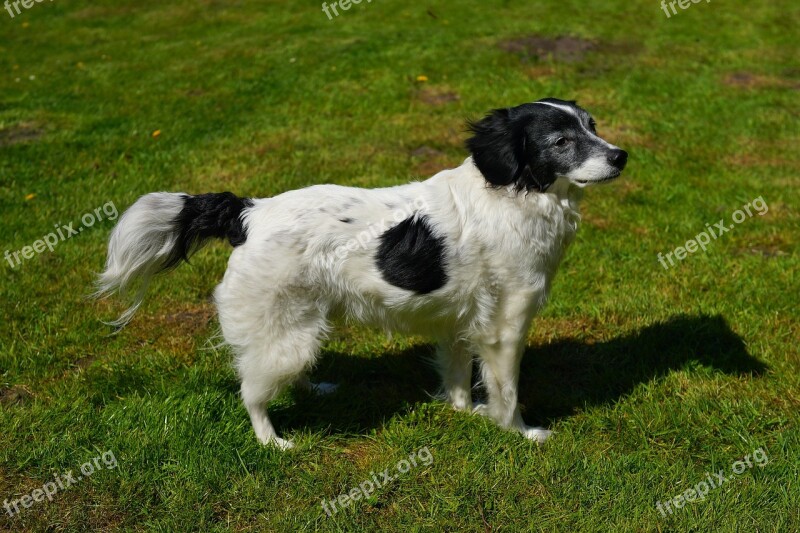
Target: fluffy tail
x=159, y=231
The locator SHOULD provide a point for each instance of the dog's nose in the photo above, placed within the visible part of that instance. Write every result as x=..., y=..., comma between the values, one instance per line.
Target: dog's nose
x=618, y=158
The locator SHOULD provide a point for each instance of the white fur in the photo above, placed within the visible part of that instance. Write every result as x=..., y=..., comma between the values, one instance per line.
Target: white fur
x=139, y=246
x=290, y=277
x=309, y=256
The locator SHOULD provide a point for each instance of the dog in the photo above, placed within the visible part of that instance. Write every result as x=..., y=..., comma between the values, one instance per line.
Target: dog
x=466, y=257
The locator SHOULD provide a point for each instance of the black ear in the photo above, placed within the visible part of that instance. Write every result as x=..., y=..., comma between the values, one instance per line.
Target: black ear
x=498, y=147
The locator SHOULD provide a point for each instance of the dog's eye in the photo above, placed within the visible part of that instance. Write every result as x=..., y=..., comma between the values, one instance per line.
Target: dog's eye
x=562, y=141
x=593, y=126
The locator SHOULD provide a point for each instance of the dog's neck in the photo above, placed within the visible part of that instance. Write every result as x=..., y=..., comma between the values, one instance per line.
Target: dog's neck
x=561, y=194
x=561, y=198
x=568, y=195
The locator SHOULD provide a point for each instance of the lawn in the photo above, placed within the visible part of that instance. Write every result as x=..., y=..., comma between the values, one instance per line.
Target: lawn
x=654, y=379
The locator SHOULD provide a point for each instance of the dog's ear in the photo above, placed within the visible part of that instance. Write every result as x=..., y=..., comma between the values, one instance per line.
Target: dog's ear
x=501, y=152
x=498, y=147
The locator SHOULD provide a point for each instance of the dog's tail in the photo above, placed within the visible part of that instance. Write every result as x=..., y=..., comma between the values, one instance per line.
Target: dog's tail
x=160, y=231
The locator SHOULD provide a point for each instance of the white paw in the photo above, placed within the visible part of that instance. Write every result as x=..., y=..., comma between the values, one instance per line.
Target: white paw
x=272, y=440
x=536, y=434
x=321, y=389
x=461, y=406
x=480, y=409
x=282, y=444
x=459, y=401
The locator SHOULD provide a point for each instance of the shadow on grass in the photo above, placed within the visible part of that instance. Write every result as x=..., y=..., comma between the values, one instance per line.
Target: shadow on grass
x=566, y=375
x=556, y=379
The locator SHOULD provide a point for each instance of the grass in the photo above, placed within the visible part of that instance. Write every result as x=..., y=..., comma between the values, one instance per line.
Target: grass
x=650, y=377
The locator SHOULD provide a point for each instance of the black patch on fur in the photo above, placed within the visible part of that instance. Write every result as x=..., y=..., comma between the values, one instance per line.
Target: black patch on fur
x=411, y=257
x=346, y=220
x=205, y=216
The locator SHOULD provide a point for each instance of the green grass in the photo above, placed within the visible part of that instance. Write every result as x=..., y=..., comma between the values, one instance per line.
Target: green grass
x=651, y=378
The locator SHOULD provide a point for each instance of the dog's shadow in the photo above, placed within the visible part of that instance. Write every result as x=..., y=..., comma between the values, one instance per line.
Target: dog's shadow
x=556, y=379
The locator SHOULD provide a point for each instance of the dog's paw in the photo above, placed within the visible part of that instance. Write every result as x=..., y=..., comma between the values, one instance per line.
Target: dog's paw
x=281, y=444
x=321, y=389
x=273, y=440
x=458, y=400
x=536, y=434
x=479, y=408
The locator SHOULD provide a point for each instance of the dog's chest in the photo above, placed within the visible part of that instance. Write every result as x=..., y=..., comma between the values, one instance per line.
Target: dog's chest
x=544, y=233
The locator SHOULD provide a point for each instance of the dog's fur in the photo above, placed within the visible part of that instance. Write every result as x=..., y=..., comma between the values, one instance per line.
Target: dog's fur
x=466, y=257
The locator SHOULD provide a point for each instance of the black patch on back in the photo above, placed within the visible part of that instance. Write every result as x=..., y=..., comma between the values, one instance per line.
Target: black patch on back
x=411, y=257
x=205, y=216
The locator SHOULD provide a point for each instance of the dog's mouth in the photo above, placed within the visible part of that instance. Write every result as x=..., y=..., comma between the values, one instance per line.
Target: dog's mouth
x=613, y=176
x=587, y=182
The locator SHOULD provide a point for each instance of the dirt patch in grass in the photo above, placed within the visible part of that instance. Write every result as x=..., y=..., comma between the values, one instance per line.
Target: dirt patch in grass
x=780, y=211
x=595, y=220
x=361, y=454
x=20, y=133
x=177, y=331
x=437, y=96
x=758, y=160
x=771, y=246
x=429, y=161
x=768, y=153
x=184, y=325
x=749, y=80
x=540, y=72
x=626, y=186
x=547, y=330
x=537, y=47
x=191, y=319
x=627, y=135
x=16, y=395
x=84, y=362
x=426, y=152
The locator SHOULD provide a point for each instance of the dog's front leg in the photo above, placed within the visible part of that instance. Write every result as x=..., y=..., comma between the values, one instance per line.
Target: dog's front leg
x=500, y=363
x=500, y=369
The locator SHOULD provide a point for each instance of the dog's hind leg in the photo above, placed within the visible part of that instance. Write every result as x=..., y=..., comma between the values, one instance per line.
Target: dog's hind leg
x=255, y=401
x=454, y=361
x=275, y=342
x=267, y=368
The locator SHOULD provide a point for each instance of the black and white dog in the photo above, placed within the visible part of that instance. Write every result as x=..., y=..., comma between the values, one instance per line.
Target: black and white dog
x=466, y=257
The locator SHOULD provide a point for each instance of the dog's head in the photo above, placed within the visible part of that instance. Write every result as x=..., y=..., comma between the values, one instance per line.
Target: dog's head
x=532, y=145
